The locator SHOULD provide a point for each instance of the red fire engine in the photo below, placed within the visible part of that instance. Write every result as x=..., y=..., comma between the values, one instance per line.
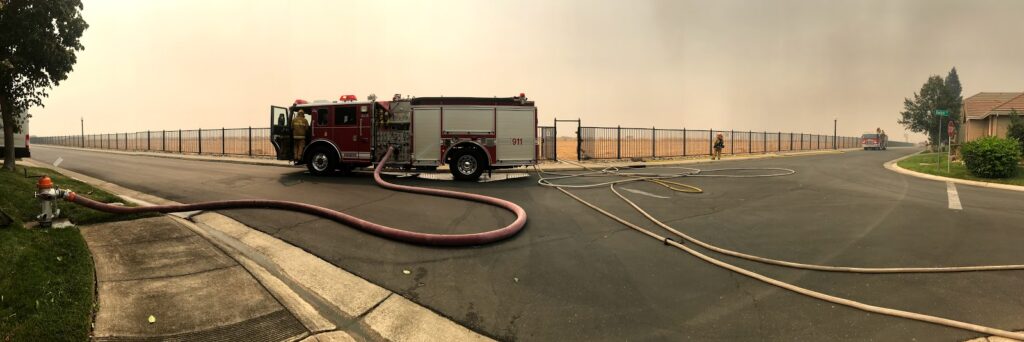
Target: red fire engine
x=469, y=134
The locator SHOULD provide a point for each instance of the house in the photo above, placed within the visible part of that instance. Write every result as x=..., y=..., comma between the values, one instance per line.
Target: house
x=987, y=114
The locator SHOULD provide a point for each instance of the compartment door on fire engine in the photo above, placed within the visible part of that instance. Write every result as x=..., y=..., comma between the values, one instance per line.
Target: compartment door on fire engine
x=348, y=133
x=426, y=135
x=516, y=134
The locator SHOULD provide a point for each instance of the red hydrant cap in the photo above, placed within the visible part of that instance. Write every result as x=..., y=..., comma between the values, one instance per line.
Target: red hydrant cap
x=45, y=183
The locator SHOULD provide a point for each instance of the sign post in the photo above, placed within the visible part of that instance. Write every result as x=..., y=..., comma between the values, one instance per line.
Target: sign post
x=938, y=133
x=951, y=131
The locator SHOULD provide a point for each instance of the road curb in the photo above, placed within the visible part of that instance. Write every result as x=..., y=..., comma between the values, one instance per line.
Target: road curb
x=893, y=165
x=321, y=295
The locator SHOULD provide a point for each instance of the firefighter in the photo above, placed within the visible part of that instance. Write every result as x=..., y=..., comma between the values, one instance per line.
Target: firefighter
x=299, y=128
x=719, y=145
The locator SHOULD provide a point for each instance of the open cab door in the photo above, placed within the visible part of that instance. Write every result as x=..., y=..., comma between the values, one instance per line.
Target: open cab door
x=281, y=133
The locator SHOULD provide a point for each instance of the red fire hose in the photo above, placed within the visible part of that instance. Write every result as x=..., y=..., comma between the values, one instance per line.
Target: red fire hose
x=349, y=220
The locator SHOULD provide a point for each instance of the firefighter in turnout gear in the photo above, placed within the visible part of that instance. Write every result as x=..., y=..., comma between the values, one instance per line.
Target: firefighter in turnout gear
x=300, y=127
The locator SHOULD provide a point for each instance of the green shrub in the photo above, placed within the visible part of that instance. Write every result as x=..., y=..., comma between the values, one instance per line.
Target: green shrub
x=991, y=157
x=1016, y=129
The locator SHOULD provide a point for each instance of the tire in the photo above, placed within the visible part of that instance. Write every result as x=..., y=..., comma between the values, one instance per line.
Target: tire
x=322, y=161
x=467, y=165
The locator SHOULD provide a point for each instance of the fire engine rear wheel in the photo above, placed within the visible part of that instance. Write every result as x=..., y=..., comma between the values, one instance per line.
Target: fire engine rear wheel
x=467, y=165
x=322, y=162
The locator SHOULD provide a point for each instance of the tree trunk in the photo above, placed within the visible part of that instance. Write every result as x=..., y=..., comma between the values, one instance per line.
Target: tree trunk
x=8, y=119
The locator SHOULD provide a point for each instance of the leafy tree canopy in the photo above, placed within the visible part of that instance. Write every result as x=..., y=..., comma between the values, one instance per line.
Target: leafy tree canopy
x=918, y=112
x=37, y=51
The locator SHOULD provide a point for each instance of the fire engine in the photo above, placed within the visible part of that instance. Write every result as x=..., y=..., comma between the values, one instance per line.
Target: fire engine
x=471, y=135
x=874, y=141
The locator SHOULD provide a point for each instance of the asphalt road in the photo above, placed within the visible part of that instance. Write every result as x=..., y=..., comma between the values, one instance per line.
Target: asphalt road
x=573, y=274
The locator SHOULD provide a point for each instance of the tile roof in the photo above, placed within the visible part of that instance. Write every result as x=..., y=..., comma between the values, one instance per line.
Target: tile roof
x=1016, y=103
x=981, y=104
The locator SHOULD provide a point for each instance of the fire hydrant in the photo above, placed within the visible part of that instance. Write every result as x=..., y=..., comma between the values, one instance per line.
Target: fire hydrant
x=47, y=196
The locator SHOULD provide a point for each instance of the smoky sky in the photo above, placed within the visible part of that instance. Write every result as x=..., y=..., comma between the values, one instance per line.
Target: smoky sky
x=743, y=65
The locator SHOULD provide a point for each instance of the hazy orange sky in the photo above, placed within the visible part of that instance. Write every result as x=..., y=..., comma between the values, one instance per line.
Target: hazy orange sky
x=744, y=65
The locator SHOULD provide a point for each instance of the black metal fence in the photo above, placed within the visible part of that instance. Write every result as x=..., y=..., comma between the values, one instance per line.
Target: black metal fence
x=627, y=142
x=588, y=143
x=253, y=142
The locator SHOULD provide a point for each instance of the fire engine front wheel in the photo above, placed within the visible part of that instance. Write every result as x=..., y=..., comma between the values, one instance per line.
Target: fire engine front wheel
x=322, y=162
x=466, y=165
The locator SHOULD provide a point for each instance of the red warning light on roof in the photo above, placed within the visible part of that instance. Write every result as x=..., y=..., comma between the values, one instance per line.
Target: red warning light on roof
x=300, y=101
x=347, y=98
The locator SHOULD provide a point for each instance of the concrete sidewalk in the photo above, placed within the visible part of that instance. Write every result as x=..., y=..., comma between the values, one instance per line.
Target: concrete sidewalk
x=208, y=157
x=156, y=267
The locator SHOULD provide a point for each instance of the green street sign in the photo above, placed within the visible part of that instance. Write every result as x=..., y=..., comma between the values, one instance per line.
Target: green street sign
x=942, y=112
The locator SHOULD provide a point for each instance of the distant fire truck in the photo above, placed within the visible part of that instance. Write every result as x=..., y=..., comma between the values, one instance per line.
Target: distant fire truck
x=469, y=134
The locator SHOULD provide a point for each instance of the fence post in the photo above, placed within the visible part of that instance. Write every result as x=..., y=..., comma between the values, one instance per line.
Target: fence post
x=790, y=141
x=653, y=140
x=223, y=141
x=163, y=140
x=764, y=142
x=750, y=142
x=618, y=142
x=579, y=139
x=554, y=143
x=149, y=141
x=711, y=142
x=179, y=141
x=250, y=141
x=200, y=141
x=684, y=141
x=779, y=140
x=732, y=142
x=116, y=142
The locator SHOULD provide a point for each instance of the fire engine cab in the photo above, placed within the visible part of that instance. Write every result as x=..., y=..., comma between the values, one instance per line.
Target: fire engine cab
x=469, y=134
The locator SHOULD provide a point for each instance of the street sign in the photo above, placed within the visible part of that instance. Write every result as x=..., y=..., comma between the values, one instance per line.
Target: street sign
x=942, y=112
x=951, y=130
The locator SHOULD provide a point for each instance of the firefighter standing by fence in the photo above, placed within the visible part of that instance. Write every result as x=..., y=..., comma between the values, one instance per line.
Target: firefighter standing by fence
x=719, y=145
x=299, y=129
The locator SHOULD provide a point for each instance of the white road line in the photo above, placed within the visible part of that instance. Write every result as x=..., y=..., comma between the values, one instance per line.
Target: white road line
x=644, y=193
x=954, y=198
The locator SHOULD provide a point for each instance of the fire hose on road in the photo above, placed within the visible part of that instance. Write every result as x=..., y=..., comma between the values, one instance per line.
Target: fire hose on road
x=349, y=220
x=662, y=178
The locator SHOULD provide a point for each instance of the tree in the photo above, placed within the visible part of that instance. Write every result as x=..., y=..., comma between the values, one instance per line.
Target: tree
x=954, y=91
x=1016, y=129
x=918, y=113
x=37, y=51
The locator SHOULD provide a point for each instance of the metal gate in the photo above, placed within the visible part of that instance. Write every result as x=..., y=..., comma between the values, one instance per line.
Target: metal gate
x=547, y=142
